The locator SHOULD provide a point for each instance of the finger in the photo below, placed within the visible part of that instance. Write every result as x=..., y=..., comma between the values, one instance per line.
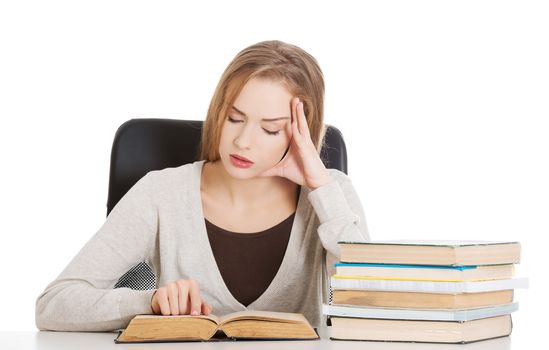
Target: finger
x=196, y=300
x=154, y=302
x=296, y=135
x=183, y=297
x=206, y=308
x=288, y=127
x=294, y=111
x=295, y=119
x=162, y=299
x=303, y=126
x=173, y=299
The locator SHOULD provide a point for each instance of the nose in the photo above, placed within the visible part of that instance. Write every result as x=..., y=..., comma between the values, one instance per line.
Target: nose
x=244, y=138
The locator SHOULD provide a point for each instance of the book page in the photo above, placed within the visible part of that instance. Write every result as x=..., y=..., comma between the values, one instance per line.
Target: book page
x=263, y=315
x=215, y=319
x=445, y=243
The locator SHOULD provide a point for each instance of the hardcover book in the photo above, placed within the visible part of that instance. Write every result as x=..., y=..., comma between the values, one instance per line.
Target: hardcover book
x=344, y=328
x=426, y=272
x=453, y=253
x=375, y=298
x=256, y=325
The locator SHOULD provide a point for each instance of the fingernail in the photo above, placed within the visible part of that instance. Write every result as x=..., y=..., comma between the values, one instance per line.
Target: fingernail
x=194, y=313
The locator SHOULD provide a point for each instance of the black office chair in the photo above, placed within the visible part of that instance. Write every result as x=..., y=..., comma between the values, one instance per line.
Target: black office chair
x=142, y=145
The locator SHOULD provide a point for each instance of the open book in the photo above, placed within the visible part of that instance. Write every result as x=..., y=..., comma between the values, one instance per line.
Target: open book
x=257, y=325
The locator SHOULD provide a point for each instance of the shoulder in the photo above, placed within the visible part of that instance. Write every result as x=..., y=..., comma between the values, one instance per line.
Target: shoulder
x=170, y=177
x=176, y=172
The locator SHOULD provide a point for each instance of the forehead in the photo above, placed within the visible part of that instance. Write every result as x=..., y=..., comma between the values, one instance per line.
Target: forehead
x=262, y=98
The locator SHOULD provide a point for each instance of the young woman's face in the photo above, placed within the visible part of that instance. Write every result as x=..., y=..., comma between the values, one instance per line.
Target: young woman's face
x=257, y=128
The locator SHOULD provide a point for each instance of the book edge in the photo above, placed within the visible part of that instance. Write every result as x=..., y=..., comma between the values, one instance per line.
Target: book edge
x=427, y=244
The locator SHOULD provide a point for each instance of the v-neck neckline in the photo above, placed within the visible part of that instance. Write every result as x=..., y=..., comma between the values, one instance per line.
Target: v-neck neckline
x=289, y=254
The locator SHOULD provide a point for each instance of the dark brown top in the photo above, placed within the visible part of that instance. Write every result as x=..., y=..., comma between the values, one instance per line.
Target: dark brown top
x=248, y=262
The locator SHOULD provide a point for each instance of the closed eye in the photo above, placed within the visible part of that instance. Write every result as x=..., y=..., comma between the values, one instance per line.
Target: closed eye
x=266, y=131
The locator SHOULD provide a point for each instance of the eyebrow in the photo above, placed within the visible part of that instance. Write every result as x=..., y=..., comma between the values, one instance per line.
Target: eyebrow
x=264, y=119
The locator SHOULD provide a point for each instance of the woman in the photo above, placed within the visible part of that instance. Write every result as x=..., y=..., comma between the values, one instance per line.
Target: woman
x=254, y=224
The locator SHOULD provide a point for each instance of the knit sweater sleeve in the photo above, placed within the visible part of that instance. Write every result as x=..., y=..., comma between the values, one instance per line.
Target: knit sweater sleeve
x=340, y=213
x=82, y=297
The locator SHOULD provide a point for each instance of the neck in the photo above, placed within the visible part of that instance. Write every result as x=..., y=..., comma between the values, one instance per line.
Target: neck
x=243, y=192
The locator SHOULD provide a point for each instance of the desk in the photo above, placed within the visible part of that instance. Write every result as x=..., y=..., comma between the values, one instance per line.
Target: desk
x=45, y=340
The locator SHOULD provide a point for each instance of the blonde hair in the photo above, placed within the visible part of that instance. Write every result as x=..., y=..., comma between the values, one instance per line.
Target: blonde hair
x=275, y=60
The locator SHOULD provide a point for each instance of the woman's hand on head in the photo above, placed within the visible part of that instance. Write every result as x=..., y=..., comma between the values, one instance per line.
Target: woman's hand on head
x=302, y=163
x=181, y=297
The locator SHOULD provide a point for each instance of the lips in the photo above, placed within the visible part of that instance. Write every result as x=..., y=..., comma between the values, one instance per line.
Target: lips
x=241, y=158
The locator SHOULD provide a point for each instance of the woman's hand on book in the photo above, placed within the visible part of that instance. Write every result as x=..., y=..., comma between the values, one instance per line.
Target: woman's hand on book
x=181, y=297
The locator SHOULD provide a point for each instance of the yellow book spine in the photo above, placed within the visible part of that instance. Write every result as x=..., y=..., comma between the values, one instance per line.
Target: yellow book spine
x=404, y=279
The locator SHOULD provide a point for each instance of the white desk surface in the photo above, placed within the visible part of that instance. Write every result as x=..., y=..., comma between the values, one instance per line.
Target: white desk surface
x=26, y=340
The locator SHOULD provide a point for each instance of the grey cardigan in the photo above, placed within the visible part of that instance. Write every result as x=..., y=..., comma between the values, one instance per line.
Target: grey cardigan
x=160, y=221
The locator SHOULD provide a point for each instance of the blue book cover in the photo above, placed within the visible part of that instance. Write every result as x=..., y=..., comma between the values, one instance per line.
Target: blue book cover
x=461, y=268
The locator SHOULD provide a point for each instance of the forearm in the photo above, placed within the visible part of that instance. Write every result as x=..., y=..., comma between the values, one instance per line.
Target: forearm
x=82, y=297
x=77, y=306
x=340, y=214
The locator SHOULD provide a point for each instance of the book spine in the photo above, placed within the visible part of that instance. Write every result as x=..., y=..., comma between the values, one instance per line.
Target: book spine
x=340, y=282
x=390, y=285
x=419, y=314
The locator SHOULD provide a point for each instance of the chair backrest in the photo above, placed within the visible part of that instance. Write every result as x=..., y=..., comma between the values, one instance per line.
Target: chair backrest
x=144, y=144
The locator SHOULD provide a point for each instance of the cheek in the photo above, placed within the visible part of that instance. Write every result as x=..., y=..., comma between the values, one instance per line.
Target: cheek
x=276, y=150
x=225, y=137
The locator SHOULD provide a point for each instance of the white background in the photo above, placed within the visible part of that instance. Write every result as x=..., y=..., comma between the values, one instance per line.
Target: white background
x=443, y=106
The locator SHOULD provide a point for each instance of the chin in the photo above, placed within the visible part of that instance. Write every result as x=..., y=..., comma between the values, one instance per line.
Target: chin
x=239, y=173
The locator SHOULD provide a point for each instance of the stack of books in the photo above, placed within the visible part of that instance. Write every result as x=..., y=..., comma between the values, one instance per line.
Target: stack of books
x=423, y=291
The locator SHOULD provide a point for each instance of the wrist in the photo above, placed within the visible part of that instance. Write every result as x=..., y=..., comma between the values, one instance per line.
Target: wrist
x=327, y=179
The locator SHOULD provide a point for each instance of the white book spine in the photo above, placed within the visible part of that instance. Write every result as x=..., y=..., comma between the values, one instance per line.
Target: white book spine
x=419, y=314
x=428, y=287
